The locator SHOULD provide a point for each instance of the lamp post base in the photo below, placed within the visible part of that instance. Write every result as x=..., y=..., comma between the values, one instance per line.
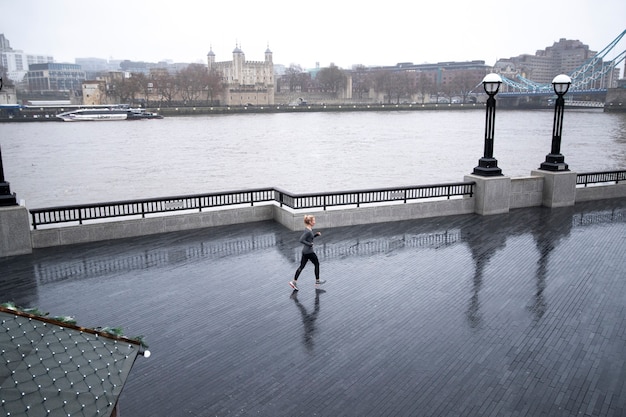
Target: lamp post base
x=6, y=198
x=554, y=162
x=487, y=167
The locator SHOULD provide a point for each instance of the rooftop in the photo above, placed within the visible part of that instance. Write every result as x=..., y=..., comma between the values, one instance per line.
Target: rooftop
x=51, y=367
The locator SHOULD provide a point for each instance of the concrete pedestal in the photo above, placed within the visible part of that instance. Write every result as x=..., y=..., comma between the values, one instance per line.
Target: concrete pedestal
x=14, y=231
x=559, y=187
x=492, y=194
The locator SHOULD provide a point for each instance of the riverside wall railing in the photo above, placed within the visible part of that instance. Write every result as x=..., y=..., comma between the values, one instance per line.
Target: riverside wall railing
x=78, y=214
x=600, y=177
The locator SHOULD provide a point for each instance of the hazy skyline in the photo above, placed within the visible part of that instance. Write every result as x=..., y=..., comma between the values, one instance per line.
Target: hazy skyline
x=306, y=33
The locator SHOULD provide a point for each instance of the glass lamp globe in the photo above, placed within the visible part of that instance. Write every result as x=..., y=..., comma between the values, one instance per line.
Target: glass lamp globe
x=491, y=83
x=561, y=84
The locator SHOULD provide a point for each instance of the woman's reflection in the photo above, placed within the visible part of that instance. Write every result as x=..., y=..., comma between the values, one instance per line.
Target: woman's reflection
x=308, y=319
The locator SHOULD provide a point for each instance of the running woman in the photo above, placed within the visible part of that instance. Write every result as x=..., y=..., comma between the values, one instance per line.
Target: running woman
x=308, y=254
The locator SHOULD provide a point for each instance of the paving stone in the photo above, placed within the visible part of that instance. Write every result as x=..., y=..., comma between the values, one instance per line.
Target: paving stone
x=518, y=314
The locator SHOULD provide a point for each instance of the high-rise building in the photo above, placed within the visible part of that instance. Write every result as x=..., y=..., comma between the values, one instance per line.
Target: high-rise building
x=16, y=62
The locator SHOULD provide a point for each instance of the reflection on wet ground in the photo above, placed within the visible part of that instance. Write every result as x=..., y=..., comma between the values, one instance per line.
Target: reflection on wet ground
x=516, y=314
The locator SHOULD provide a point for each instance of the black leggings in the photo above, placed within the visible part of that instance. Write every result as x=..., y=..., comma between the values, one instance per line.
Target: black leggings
x=305, y=258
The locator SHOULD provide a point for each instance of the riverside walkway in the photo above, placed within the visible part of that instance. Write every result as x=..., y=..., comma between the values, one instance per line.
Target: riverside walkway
x=518, y=314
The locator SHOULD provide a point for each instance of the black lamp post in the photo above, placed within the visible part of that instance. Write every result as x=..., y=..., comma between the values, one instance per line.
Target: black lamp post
x=488, y=165
x=554, y=160
x=6, y=198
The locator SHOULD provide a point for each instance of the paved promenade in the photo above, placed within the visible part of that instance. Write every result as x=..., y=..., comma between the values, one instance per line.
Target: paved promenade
x=522, y=314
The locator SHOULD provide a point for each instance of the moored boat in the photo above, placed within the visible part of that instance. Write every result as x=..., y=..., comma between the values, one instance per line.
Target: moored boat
x=107, y=113
x=138, y=114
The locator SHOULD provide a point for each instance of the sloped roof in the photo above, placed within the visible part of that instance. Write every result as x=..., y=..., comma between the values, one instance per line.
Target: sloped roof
x=51, y=368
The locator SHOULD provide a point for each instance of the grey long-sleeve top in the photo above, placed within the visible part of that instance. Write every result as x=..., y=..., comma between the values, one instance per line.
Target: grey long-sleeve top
x=307, y=241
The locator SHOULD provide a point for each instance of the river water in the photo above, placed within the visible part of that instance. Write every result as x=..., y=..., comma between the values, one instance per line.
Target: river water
x=51, y=164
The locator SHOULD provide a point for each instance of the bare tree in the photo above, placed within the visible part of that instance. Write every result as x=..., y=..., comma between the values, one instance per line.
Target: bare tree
x=296, y=78
x=165, y=86
x=192, y=81
x=425, y=85
x=464, y=83
x=142, y=82
x=395, y=85
x=448, y=91
x=381, y=83
x=126, y=88
x=214, y=84
x=331, y=79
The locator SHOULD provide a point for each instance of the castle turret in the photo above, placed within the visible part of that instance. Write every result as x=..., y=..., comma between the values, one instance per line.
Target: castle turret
x=211, y=57
x=239, y=60
x=268, y=55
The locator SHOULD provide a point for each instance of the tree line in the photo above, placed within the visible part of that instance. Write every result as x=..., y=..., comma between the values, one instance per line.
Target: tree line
x=193, y=84
x=393, y=85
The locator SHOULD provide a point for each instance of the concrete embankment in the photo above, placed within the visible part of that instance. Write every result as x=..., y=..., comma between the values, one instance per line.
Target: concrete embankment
x=48, y=114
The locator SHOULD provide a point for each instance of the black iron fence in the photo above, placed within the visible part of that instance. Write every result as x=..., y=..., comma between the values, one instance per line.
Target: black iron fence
x=84, y=212
x=141, y=208
x=600, y=177
x=381, y=195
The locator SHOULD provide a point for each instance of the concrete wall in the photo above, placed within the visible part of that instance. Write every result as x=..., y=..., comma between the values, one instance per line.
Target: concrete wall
x=526, y=192
x=148, y=226
x=14, y=231
x=602, y=192
x=379, y=214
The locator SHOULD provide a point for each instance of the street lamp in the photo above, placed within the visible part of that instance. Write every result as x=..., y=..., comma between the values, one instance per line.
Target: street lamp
x=488, y=165
x=554, y=160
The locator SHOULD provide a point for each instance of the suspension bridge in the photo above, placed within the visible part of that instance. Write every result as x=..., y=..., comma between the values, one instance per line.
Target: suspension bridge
x=591, y=78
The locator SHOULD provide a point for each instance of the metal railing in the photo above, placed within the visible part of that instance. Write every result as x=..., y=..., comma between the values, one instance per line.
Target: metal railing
x=84, y=212
x=96, y=211
x=379, y=195
x=600, y=177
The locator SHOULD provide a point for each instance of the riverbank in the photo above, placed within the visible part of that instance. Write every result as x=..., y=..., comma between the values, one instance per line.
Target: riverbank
x=43, y=114
x=48, y=114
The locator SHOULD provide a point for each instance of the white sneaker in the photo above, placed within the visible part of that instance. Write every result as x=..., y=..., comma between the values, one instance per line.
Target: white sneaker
x=293, y=285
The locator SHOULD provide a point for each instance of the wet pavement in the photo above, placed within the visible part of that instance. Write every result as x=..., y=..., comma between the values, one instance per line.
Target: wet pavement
x=521, y=314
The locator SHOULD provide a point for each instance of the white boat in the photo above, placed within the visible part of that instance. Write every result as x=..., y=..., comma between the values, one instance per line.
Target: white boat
x=108, y=113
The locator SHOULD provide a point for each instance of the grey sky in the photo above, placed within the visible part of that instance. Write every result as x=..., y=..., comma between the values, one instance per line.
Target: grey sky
x=307, y=32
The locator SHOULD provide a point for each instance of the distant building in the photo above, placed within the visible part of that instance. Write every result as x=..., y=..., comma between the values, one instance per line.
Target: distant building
x=446, y=74
x=16, y=62
x=8, y=95
x=440, y=79
x=5, y=45
x=245, y=82
x=55, y=77
x=94, y=92
x=95, y=67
